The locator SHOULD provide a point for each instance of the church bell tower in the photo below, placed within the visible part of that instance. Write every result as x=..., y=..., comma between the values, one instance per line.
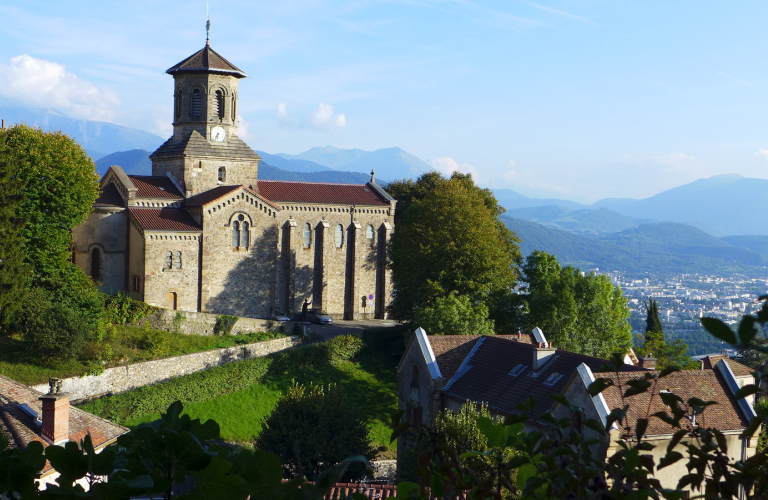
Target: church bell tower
x=205, y=151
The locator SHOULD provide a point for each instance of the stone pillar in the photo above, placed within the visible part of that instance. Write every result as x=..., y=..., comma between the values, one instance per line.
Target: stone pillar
x=55, y=426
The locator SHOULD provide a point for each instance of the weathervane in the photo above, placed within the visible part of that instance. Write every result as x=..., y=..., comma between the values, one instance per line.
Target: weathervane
x=207, y=24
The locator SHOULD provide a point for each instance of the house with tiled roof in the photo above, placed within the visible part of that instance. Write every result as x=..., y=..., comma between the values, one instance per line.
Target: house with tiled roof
x=27, y=416
x=204, y=234
x=440, y=372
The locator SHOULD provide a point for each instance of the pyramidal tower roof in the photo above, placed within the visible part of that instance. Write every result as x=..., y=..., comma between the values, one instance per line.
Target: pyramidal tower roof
x=206, y=60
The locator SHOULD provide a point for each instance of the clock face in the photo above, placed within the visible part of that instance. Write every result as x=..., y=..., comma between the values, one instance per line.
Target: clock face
x=218, y=134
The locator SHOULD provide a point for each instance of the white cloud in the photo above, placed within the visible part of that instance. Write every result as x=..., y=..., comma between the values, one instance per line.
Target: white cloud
x=447, y=166
x=512, y=163
x=282, y=114
x=323, y=118
x=762, y=152
x=38, y=82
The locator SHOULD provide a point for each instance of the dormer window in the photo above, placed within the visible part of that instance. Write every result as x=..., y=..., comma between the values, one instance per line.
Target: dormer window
x=222, y=174
x=197, y=104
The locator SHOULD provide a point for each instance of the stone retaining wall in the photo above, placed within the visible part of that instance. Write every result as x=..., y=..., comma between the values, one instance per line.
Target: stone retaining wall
x=124, y=378
x=196, y=323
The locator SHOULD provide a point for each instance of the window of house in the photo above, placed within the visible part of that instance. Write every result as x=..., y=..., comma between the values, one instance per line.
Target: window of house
x=177, y=260
x=369, y=236
x=307, y=235
x=244, y=235
x=96, y=264
x=169, y=260
x=197, y=104
x=339, y=236
x=415, y=375
x=219, y=104
x=236, y=234
x=222, y=174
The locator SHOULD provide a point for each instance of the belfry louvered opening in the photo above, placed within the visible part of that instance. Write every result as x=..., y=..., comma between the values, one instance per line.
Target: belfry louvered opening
x=218, y=103
x=197, y=104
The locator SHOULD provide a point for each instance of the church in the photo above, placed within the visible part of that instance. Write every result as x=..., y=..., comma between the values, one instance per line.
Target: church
x=204, y=234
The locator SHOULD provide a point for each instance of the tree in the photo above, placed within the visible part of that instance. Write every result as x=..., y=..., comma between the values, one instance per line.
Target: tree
x=454, y=315
x=448, y=239
x=652, y=321
x=313, y=428
x=578, y=312
x=655, y=342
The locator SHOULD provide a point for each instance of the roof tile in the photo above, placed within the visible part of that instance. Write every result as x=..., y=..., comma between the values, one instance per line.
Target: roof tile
x=206, y=60
x=196, y=145
x=154, y=186
x=320, y=192
x=164, y=219
x=738, y=369
x=109, y=196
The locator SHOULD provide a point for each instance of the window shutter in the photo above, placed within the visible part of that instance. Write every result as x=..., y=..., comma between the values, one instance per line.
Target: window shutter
x=197, y=105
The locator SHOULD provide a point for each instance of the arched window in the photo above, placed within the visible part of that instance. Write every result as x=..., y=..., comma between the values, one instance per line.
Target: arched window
x=244, y=235
x=169, y=260
x=222, y=174
x=235, y=234
x=179, y=97
x=339, y=236
x=369, y=236
x=219, y=104
x=197, y=104
x=177, y=260
x=96, y=264
x=234, y=108
x=306, y=239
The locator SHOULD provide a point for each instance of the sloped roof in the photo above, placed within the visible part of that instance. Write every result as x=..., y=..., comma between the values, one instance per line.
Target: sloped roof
x=155, y=186
x=486, y=374
x=450, y=350
x=321, y=192
x=206, y=60
x=707, y=385
x=21, y=430
x=739, y=370
x=196, y=145
x=212, y=195
x=164, y=219
x=109, y=196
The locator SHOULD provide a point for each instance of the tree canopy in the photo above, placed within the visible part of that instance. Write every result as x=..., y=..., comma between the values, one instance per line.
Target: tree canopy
x=578, y=312
x=448, y=239
x=454, y=315
x=655, y=342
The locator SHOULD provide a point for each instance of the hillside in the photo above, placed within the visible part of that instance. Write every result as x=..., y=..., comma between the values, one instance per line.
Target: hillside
x=268, y=172
x=389, y=163
x=292, y=165
x=582, y=221
x=512, y=200
x=97, y=138
x=665, y=248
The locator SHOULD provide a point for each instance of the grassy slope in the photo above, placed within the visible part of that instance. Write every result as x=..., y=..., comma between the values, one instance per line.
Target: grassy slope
x=369, y=383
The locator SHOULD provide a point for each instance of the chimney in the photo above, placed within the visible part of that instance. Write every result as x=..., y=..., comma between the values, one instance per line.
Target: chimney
x=541, y=355
x=519, y=334
x=55, y=428
x=649, y=363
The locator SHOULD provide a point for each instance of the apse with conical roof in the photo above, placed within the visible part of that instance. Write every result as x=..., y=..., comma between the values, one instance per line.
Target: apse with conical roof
x=205, y=151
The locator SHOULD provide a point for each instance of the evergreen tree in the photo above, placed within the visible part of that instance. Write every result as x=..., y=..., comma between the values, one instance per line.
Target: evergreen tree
x=652, y=321
x=655, y=342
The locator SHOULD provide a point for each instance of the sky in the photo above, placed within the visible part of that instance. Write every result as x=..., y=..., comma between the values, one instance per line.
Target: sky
x=577, y=100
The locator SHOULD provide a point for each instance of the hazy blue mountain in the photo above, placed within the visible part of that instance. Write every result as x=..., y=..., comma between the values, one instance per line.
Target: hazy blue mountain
x=758, y=244
x=512, y=199
x=268, y=172
x=663, y=248
x=389, y=163
x=585, y=220
x=97, y=138
x=134, y=162
x=723, y=205
x=292, y=165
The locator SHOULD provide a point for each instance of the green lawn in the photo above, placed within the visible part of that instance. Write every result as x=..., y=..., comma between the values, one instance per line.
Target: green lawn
x=121, y=345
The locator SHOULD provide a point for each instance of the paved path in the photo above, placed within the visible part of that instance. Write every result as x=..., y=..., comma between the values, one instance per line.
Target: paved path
x=344, y=327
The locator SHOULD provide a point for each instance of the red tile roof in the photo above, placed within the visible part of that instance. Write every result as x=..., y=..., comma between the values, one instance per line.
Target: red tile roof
x=21, y=429
x=321, y=192
x=152, y=186
x=706, y=385
x=164, y=219
x=212, y=195
x=109, y=196
x=738, y=369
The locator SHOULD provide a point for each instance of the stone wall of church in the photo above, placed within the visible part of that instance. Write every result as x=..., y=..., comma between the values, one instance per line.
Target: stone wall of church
x=237, y=280
x=176, y=285
x=171, y=167
x=334, y=278
x=203, y=174
x=136, y=275
x=105, y=231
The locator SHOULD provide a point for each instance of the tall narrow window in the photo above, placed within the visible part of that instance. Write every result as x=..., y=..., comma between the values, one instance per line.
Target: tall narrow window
x=234, y=108
x=177, y=260
x=306, y=239
x=197, y=104
x=369, y=236
x=169, y=260
x=339, y=236
x=222, y=174
x=219, y=104
x=235, y=234
x=96, y=264
x=244, y=235
x=179, y=100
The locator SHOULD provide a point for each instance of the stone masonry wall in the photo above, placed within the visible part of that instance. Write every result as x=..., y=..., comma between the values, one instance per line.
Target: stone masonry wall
x=125, y=378
x=106, y=230
x=161, y=281
x=197, y=323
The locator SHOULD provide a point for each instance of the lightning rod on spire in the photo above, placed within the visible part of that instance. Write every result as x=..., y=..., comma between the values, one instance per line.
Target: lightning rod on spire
x=207, y=23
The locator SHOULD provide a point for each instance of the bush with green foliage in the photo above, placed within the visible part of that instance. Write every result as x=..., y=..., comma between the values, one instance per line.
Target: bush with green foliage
x=312, y=428
x=121, y=309
x=343, y=348
x=53, y=331
x=454, y=315
x=224, y=324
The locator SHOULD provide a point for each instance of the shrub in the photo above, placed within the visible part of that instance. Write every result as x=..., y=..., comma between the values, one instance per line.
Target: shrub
x=343, y=348
x=454, y=315
x=53, y=331
x=312, y=428
x=224, y=324
x=121, y=309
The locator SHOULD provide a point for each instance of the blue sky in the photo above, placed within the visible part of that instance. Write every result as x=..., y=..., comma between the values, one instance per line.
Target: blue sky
x=579, y=100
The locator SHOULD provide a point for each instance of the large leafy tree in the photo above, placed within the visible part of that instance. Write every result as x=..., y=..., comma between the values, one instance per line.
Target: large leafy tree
x=448, y=239
x=454, y=315
x=578, y=312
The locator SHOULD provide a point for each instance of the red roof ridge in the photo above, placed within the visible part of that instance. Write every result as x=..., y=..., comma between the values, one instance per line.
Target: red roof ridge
x=314, y=183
